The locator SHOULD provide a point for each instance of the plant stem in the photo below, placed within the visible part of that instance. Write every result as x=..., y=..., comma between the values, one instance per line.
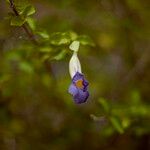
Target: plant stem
x=24, y=26
x=30, y=35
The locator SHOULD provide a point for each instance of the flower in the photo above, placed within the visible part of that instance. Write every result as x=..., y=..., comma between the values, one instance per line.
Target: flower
x=78, y=88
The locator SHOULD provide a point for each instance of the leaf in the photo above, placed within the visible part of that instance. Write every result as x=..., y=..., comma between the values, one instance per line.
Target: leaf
x=73, y=35
x=17, y=21
x=43, y=34
x=126, y=122
x=21, y=5
x=105, y=104
x=117, y=124
x=31, y=23
x=85, y=40
x=45, y=49
x=26, y=67
x=61, y=55
x=102, y=120
x=29, y=10
x=60, y=38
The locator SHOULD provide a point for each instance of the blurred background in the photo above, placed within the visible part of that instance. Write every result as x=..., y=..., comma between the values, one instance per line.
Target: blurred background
x=36, y=110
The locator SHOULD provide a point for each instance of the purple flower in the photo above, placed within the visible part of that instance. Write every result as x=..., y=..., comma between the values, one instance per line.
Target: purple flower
x=78, y=88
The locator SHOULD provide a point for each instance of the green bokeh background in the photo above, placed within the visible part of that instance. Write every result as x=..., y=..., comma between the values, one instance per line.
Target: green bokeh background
x=36, y=111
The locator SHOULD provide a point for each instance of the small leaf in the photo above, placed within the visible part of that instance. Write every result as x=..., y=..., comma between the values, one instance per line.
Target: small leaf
x=17, y=21
x=21, y=5
x=61, y=55
x=45, y=49
x=102, y=120
x=60, y=38
x=29, y=10
x=85, y=40
x=126, y=122
x=117, y=124
x=26, y=67
x=31, y=23
x=43, y=34
x=104, y=104
x=73, y=35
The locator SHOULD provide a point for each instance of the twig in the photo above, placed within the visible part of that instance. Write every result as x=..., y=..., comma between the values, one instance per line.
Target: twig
x=24, y=26
x=30, y=35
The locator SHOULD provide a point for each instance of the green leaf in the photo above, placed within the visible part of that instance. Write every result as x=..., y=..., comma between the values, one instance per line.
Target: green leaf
x=105, y=104
x=60, y=38
x=21, y=5
x=29, y=10
x=17, y=21
x=86, y=40
x=45, y=49
x=26, y=67
x=73, y=35
x=31, y=23
x=61, y=55
x=117, y=124
x=43, y=34
x=126, y=122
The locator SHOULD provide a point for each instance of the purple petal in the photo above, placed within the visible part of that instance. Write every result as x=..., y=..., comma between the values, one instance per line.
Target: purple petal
x=77, y=76
x=85, y=82
x=79, y=94
x=73, y=90
x=81, y=97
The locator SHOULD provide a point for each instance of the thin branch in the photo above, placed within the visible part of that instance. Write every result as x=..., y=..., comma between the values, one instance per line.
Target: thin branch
x=31, y=36
x=24, y=26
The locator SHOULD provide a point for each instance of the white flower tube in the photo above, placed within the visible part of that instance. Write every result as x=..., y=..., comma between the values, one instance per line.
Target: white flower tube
x=74, y=64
